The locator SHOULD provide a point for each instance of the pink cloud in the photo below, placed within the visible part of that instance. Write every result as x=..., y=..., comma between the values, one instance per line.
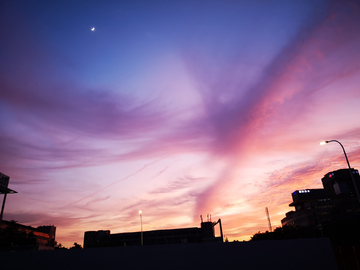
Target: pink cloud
x=282, y=97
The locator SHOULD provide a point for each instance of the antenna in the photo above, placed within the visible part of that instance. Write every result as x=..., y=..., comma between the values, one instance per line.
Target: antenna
x=268, y=218
x=201, y=218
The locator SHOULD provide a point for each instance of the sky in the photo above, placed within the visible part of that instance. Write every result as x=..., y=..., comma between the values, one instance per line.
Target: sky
x=175, y=108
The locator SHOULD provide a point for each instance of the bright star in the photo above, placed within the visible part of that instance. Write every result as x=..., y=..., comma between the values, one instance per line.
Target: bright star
x=93, y=29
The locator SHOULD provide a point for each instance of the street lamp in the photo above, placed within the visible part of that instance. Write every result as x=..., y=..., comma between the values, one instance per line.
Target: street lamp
x=141, y=228
x=351, y=174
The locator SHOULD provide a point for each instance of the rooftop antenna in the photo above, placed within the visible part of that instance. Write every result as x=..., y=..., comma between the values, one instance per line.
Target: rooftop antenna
x=201, y=218
x=268, y=218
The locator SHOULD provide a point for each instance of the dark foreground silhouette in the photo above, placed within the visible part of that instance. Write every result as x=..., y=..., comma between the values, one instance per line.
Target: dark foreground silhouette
x=283, y=254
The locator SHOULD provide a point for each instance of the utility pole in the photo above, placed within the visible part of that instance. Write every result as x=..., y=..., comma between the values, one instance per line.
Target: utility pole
x=268, y=218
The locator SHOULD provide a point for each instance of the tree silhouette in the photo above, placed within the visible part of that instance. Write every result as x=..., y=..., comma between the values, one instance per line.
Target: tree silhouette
x=76, y=246
x=285, y=232
x=59, y=246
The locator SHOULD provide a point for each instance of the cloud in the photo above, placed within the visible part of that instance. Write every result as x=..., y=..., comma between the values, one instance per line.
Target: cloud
x=109, y=185
x=178, y=184
x=286, y=93
x=99, y=199
x=38, y=219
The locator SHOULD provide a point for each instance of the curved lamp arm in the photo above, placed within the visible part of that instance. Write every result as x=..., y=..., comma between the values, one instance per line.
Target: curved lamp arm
x=347, y=160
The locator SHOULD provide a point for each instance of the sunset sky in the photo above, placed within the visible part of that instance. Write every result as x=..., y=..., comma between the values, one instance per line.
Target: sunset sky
x=175, y=108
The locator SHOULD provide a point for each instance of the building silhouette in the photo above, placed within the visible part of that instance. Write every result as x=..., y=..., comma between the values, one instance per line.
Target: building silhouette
x=204, y=234
x=339, y=185
x=44, y=235
x=337, y=202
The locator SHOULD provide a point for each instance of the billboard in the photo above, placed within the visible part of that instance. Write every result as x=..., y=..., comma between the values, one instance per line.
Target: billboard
x=4, y=180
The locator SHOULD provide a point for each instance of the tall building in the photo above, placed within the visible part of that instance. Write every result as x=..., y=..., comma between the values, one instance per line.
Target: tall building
x=339, y=185
x=203, y=234
x=336, y=202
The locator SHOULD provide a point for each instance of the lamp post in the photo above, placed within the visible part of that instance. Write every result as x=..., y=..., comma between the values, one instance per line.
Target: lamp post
x=142, y=243
x=351, y=174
